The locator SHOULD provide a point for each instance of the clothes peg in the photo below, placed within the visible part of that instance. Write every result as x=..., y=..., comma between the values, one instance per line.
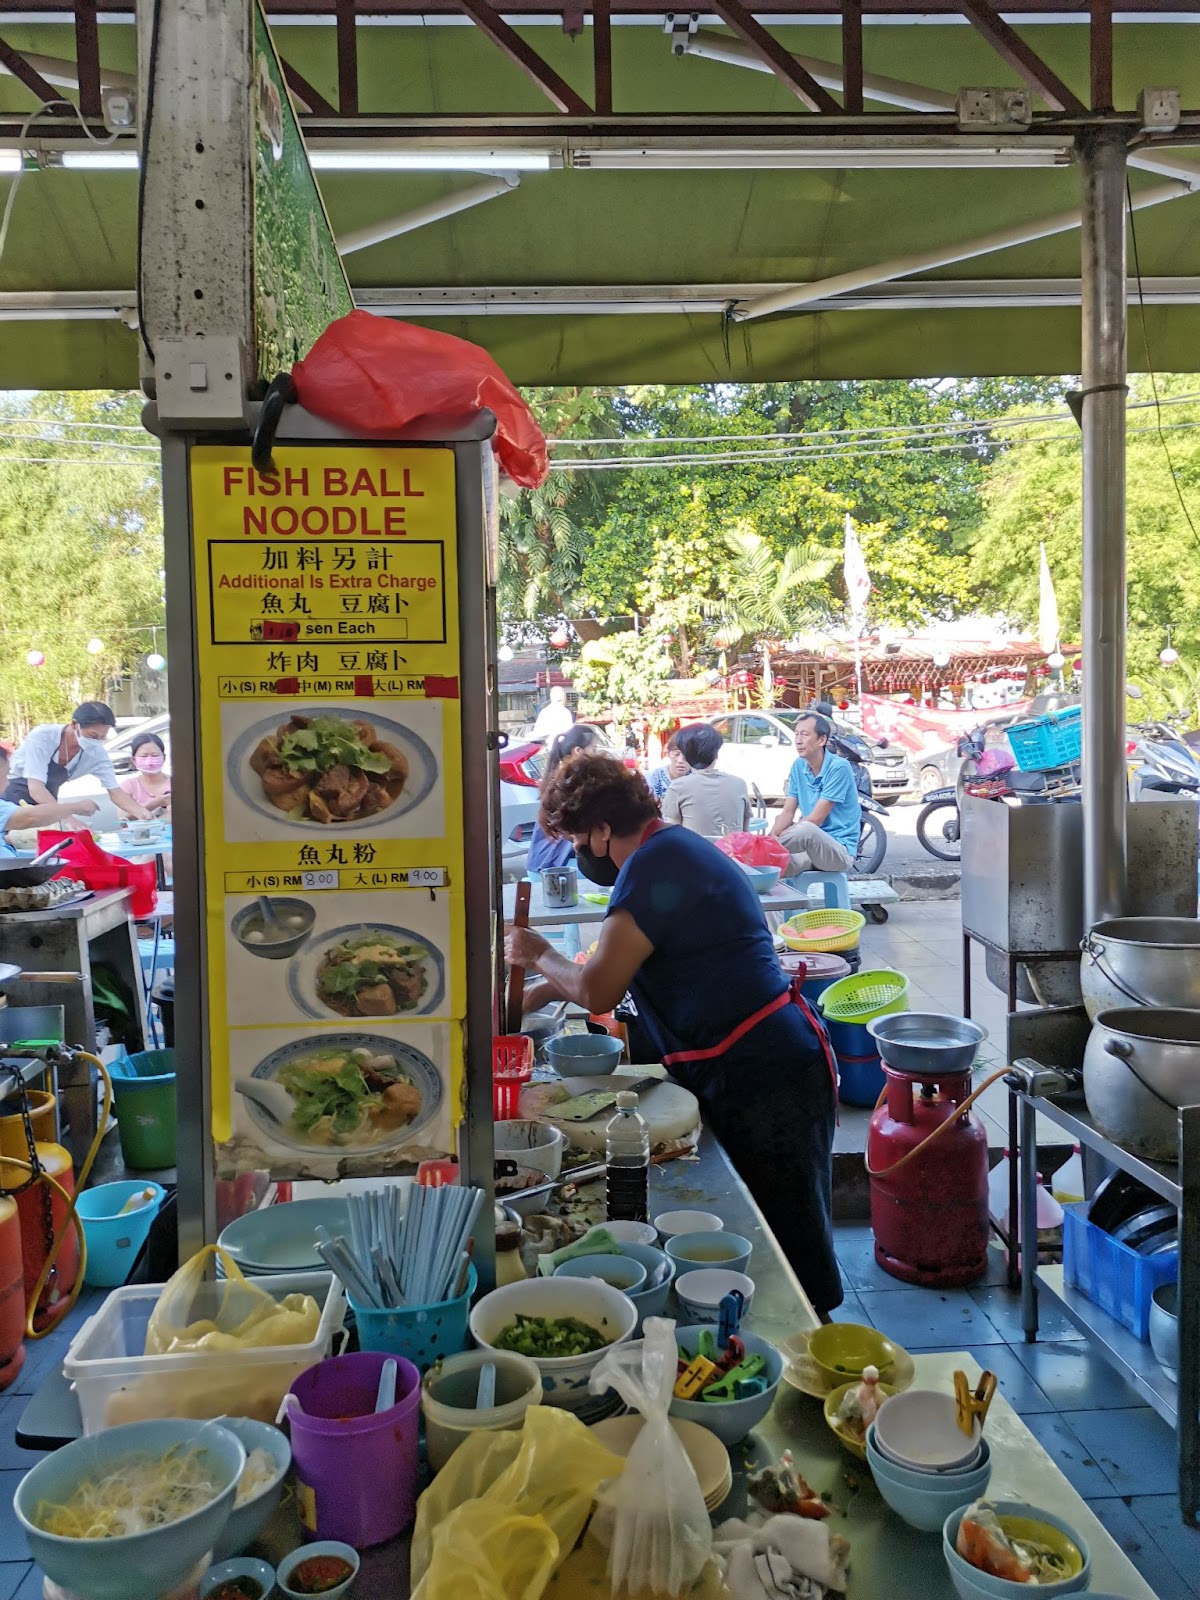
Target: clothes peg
x=732, y=1356
x=726, y=1387
x=971, y=1406
x=697, y=1373
x=745, y=1388
x=729, y=1316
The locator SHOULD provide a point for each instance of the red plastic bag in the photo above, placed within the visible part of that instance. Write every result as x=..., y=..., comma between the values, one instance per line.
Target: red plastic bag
x=375, y=376
x=754, y=850
x=84, y=860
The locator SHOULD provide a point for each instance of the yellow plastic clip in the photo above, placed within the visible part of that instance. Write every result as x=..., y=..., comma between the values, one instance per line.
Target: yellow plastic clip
x=970, y=1406
x=693, y=1378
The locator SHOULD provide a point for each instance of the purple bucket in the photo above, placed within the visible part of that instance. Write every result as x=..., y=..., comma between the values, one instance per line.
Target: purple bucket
x=356, y=1472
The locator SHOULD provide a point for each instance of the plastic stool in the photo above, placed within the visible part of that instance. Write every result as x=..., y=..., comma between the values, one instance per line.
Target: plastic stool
x=837, y=887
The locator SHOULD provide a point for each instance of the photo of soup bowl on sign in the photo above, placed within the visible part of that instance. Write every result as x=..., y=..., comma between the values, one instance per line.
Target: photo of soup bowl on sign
x=369, y=969
x=331, y=767
x=342, y=1092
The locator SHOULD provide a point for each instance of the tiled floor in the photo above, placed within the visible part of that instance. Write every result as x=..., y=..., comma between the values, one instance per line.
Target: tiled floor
x=1116, y=1452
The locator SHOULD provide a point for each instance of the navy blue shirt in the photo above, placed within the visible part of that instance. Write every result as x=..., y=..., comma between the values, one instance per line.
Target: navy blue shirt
x=714, y=962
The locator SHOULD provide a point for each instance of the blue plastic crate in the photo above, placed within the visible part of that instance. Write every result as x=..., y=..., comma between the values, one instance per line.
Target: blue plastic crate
x=1051, y=741
x=1114, y=1277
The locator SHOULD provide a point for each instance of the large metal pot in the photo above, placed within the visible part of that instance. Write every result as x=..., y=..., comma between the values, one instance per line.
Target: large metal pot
x=1139, y=1067
x=1141, y=961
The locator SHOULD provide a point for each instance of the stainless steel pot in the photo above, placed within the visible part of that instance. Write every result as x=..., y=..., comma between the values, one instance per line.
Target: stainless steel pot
x=1139, y=1067
x=1141, y=961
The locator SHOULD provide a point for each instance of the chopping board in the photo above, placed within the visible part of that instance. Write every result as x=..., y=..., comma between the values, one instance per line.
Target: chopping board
x=671, y=1112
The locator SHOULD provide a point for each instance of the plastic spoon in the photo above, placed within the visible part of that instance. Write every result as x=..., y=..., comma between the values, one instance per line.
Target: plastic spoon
x=485, y=1396
x=386, y=1398
x=272, y=1097
x=270, y=921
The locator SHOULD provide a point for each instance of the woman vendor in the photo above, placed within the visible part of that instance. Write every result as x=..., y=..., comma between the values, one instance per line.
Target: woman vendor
x=686, y=936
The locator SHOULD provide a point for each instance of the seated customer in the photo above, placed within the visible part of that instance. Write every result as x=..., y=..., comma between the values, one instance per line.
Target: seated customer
x=671, y=766
x=821, y=788
x=705, y=800
x=545, y=851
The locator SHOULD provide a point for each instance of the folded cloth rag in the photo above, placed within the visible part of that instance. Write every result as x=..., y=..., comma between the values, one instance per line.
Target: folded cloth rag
x=800, y=1553
x=596, y=1242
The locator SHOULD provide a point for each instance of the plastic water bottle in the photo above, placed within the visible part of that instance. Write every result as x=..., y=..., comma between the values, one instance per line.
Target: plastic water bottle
x=627, y=1151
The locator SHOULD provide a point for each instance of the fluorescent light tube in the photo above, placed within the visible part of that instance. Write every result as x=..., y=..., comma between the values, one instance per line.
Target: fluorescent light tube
x=11, y=161
x=430, y=160
x=101, y=160
x=816, y=159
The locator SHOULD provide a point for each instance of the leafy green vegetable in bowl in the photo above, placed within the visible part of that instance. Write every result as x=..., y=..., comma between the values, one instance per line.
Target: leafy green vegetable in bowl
x=324, y=743
x=549, y=1337
x=343, y=1096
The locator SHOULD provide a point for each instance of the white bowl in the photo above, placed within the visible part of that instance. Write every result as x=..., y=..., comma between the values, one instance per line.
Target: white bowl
x=564, y=1378
x=633, y=1232
x=669, y=1223
x=700, y=1293
x=919, y=1429
x=530, y=1144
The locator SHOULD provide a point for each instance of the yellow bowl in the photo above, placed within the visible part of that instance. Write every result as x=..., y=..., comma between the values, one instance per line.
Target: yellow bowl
x=843, y=1349
x=1032, y=1529
x=833, y=1400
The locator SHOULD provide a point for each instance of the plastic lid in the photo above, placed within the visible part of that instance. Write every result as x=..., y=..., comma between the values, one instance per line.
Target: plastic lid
x=627, y=1100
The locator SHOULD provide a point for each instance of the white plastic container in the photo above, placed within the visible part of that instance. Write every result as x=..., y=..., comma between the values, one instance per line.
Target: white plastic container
x=452, y=1418
x=117, y=1382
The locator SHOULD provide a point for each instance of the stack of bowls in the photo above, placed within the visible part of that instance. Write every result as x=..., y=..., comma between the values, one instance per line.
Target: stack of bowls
x=924, y=1465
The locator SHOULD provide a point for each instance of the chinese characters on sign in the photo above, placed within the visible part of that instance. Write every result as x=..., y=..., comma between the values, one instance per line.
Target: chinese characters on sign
x=331, y=741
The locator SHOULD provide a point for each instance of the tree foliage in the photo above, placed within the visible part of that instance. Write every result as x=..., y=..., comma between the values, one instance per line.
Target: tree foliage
x=80, y=548
x=622, y=676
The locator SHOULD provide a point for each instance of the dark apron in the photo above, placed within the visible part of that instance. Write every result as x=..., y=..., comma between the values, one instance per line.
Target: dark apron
x=768, y=1090
x=17, y=793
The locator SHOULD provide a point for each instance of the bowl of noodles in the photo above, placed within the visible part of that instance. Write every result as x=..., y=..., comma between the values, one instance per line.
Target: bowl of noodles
x=368, y=969
x=127, y=1514
x=347, y=1092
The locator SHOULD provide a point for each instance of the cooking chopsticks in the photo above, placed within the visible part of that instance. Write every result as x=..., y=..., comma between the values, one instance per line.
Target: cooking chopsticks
x=515, y=1009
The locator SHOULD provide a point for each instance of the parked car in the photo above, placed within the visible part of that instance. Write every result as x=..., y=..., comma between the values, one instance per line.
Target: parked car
x=759, y=748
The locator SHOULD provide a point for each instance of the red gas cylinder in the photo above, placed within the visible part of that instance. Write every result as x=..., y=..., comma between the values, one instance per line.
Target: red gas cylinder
x=42, y=1214
x=930, y=1215
x=12, y=1293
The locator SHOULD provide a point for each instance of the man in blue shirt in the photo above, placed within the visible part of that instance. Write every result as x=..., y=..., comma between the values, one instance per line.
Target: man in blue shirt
x=821, y=790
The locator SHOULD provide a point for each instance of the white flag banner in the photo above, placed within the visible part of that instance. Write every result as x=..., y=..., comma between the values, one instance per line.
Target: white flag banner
x=1047, y=607
x=854, y=570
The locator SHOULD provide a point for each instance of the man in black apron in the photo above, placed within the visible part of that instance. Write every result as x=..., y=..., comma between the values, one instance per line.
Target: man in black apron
x=54, y=752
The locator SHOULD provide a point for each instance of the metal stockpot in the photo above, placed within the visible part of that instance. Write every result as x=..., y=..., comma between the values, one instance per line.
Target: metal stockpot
x=1139, y=1067
x=1141, y=961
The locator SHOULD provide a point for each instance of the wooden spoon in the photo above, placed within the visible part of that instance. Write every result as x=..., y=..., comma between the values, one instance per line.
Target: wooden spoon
x=516, y=975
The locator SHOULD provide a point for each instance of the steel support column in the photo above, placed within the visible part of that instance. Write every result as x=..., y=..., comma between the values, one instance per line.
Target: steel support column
x=1102, y=171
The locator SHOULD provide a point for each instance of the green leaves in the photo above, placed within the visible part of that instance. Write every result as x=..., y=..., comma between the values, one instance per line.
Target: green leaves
x=328, y=742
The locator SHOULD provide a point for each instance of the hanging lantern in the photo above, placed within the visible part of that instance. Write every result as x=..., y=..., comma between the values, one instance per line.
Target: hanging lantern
x=504, y=653
x=1056, y=661
x=35, y=658
x=1169, y=656
x=941, y=656
x=560, y=638
x=155, y=661
x=95, y=647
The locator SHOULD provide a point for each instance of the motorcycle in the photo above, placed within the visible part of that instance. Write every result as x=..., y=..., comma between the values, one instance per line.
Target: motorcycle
x=1161, y=761
x=939, y=821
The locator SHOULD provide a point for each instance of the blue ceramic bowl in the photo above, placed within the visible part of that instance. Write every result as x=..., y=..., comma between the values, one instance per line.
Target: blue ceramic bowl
x=584, y=1055
x=283, y=1238
x=321, y=1547
x=251, y=1517
x=621, y=1271
x=924, y=1500
x=141, y=1566
x=691, y=1251
x=971, y=1584
x=762, y=879
x=243, y=1567
x=730, y=1420
x=651, y=1298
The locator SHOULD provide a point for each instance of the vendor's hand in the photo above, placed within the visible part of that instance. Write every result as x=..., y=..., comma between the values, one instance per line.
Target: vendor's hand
x=523, y=947
x=84, y=808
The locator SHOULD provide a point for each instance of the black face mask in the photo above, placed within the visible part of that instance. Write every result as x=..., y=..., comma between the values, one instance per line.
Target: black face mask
x=602, y=870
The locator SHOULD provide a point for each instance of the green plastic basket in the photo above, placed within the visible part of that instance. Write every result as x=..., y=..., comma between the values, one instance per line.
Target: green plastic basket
x=864, y=995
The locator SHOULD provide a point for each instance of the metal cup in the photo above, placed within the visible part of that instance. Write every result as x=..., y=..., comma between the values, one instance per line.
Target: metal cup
x=560, y=887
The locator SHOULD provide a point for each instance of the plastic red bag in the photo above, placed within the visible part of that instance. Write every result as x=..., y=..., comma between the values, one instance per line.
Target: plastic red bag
x=754, y=850
x=374, y=376
x=84, y=860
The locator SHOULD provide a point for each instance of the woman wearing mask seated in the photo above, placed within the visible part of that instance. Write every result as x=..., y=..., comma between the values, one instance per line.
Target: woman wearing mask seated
x=150, y=783
x=543, y=850
x=685, y=935
x=701, y=798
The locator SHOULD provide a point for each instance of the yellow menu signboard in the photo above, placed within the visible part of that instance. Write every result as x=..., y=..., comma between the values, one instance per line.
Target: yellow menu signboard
x=328, y=652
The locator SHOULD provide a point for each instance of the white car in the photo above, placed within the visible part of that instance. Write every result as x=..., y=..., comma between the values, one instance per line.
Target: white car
x=759, y=748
